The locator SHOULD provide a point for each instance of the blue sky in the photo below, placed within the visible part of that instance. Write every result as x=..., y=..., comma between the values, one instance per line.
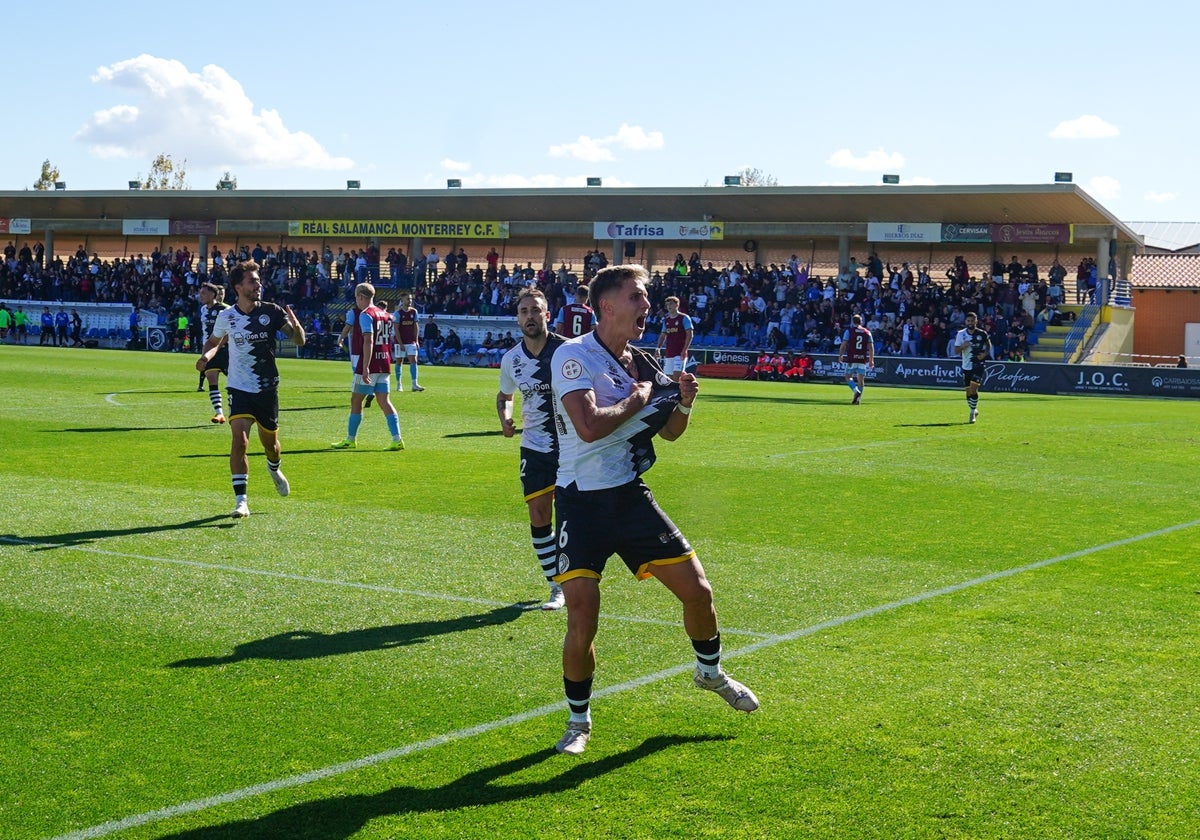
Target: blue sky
x=649, y=94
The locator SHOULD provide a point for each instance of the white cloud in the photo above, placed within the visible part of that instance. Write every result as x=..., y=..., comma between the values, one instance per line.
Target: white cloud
x=456, y=165
x=635, y=138
x=205, y=118
x=1103, y=187
x=631, y=137
x=1087, y=127
x=876, y=161
x=1161, y=197
x=585, y=148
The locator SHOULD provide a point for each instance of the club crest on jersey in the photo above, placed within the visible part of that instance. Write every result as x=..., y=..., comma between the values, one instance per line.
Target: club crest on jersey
x=571, y=369
x=264, y=319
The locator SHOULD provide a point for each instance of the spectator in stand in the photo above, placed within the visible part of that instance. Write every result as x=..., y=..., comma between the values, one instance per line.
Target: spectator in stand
x=909, y=338
x=452, y=345
x=485, y=348
x=777, y=341
x=1081, y=281
x=431, y=265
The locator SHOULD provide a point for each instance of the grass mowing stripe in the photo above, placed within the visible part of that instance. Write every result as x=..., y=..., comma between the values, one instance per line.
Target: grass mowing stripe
x=924, y=439
x=330, y=771
x=370, y=587
x=957, y=587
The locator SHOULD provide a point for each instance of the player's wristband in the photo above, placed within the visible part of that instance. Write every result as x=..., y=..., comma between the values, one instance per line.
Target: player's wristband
x=685, y=410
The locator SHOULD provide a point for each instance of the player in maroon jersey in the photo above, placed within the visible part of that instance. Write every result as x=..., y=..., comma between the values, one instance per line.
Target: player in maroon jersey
x=858, y=354
x=408, y=344
x=675, y=339
x=371, y=350
x=576, y=319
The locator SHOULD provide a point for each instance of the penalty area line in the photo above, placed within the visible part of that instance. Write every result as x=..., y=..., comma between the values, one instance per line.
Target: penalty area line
x=196, y=805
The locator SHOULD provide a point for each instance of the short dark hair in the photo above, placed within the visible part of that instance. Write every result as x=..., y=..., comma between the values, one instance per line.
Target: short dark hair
x=533, y=292
x=612, y=278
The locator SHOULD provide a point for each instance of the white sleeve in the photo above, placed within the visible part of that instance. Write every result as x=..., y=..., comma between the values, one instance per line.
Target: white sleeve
x=508, y=385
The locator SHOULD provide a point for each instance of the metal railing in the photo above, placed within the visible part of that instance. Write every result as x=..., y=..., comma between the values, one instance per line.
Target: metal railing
x=1080, y=330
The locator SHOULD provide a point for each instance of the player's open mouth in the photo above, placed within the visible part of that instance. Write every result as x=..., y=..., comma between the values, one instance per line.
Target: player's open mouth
x=641, y=322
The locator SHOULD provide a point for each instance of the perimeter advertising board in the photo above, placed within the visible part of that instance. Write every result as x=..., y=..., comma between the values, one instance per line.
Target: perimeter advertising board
x=999, y=377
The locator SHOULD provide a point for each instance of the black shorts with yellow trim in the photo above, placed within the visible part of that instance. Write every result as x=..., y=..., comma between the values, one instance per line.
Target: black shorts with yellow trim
x=219, y=361
x=975, y=374
x=593, y=525
x=538, y=471
x=262, y=408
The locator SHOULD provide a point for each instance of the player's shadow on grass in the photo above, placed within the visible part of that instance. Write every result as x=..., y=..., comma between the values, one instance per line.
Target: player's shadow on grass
x=309, y=644
x=490, y=433
x=324, y=450
x=130, y=429
x=312, y=408
x=930, y=425
x=344, y=816
x=814, y=398
x=47, y=542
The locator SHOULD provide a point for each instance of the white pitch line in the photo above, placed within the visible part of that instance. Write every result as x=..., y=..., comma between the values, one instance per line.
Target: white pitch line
x=348, y=584
x=317, y=775
x=112, y=398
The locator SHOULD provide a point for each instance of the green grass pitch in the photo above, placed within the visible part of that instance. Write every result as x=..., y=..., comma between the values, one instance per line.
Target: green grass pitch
x=955, y=631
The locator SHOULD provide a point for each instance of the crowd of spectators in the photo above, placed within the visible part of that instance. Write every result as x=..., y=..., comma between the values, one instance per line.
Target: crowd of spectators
x=780, y=305
x=785, y=306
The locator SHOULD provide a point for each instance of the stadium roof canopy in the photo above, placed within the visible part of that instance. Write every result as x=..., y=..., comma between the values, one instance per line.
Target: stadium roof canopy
x=746, y=211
